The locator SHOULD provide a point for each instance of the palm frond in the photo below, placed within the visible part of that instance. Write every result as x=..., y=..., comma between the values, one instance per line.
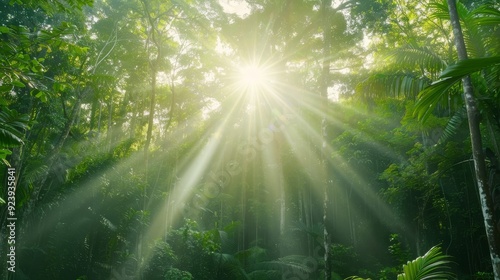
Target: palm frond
x=471, y=31
x=430, y=97
x=35, y=170
x=486, y=15
x=417, y=58
x=469, y=66
x=453, y=125
x=432, y=265
x=440, y=10
x=394, y=85
x=12, y=127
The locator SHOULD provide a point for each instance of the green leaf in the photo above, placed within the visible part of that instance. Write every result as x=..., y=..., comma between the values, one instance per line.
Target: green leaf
x=396, y=85
x=486, y=15
x=18, y=84
x=12, y=127
x=468, y=66
x=5, y=88
x=430, y=97
x=42, y=96
x=3, y=156
x=453, y=125
x=432, y=265
x=414, y=56
x=4, y=29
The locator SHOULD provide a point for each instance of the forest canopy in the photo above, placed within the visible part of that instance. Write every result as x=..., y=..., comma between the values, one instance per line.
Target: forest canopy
x=250, y=139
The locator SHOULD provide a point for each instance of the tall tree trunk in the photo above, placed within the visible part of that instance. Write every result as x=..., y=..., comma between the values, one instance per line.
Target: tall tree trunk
x=133, y=118
x=54, y=154
x=153, y=64
x=151, y=108
x=325, y=73
x=492, y=233
x=95, y=103
x=154, y=70
x=109, y=132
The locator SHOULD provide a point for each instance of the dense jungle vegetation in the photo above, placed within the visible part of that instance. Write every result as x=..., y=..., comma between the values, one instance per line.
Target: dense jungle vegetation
x=249, y=139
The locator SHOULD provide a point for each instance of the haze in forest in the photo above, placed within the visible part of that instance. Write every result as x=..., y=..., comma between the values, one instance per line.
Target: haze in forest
x=225, y=139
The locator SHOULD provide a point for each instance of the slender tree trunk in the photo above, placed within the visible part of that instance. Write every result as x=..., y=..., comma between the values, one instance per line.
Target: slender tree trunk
x=325, y=73
x=154, y=70
x=54, y=153
x=307, y=218
x=172, y=106
x=282, y=202
x=477, y=147
x=133, y=119
x=109, y=133
x=151, y=108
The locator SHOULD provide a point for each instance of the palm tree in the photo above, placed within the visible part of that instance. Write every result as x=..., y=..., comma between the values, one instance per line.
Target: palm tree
x=477, y=146
x=478, y=104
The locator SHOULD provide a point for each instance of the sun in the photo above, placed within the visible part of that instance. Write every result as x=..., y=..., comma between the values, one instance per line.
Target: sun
x=254, y=78
x=252, y=75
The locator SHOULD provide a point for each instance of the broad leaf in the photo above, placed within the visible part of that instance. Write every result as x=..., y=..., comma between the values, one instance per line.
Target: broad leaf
x=466, y=67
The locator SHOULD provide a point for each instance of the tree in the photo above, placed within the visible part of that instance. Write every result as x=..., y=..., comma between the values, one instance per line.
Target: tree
x=325, y=81
x=433, y=62
x=485, y=192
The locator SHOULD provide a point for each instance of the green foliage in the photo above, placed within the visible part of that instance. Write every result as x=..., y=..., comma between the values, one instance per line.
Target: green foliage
x=454, y=124
x=93, y=204
x=160, y=265
x=432, y=265
x=265, y=275
x=252, y=256
x=396, y=85
x=432, y=96
x=195, y=250
x=12, y=127
x=469, y=66
x=176, y=274
x=397, y=250
x=51, y=7
x=414, y=56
